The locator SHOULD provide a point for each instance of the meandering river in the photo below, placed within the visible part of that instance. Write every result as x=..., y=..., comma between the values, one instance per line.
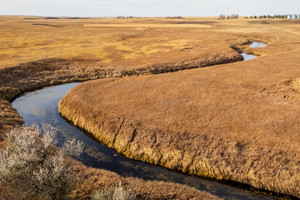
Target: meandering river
x=41, y=106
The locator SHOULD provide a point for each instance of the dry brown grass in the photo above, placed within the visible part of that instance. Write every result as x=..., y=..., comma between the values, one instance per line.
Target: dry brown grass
x=91, y=179
x=122, y=42
x=238, y=121
x=197, y=121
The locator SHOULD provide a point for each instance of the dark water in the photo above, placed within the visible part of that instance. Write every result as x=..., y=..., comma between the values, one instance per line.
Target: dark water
x=42, y=106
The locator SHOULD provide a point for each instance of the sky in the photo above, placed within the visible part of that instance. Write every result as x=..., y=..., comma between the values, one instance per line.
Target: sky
x=147, y=8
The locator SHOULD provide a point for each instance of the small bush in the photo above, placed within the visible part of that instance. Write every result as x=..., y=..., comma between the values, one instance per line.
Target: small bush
x=32, y=167
x=114, y=193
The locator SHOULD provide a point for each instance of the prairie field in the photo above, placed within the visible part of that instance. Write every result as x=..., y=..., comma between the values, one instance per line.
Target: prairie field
x=171, y=92
x=107, y=42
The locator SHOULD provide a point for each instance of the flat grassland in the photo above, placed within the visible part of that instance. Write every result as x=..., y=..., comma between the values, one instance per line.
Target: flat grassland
x=109, y=42
x=237, y=121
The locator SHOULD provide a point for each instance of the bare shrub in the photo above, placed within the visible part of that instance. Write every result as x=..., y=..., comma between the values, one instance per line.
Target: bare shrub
x=72, y=148
x=222, y=16
x=32, y=167
x=114, y=193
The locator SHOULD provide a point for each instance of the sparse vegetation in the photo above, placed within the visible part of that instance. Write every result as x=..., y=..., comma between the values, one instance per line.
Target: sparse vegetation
x=114, y=193
x=31, y=167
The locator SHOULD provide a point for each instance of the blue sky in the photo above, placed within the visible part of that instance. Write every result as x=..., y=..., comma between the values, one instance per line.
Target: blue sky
x=105, y=8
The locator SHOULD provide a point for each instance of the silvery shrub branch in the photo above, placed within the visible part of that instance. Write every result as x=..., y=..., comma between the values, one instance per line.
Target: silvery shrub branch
x=31, y=166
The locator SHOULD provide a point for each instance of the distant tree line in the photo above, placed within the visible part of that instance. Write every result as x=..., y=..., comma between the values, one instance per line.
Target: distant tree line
x=175, y=17
x=267, y=17
x=236, y=16
x=232, y=16
x=125, y=17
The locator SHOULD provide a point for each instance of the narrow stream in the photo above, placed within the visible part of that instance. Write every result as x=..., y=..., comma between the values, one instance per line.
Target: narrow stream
x=41, y=106
x=248, y=56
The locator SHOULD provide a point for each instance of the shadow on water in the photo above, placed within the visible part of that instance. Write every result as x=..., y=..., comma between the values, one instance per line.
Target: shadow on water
x=42, y=107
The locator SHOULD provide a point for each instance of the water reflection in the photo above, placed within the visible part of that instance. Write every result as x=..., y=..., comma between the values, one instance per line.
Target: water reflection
x=253, y=45
x=248, y=56
x=258, y=45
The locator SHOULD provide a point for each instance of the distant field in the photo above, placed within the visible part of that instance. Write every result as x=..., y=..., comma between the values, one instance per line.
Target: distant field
x=151, y=25
x=109, y=41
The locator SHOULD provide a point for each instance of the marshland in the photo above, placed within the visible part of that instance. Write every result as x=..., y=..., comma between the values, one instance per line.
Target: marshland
x=170, y=92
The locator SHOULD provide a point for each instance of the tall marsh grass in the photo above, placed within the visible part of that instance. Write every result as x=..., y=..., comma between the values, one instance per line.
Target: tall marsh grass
x=114, y=193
